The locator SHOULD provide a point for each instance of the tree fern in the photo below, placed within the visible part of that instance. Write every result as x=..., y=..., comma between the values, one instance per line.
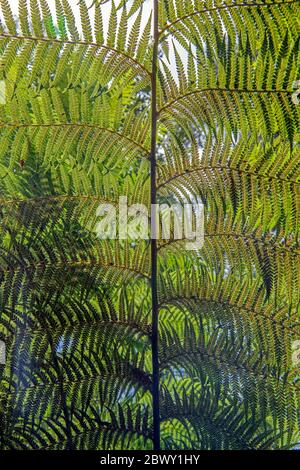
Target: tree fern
x=121, y=344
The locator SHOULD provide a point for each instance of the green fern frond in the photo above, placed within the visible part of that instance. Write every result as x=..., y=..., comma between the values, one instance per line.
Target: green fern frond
x=164, y=102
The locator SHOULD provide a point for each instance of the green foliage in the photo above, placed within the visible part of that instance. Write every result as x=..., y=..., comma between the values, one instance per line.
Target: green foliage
x=75, y=311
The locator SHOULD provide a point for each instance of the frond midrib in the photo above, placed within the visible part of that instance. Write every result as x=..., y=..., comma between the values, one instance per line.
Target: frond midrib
x=222, y=7
x=76, y=43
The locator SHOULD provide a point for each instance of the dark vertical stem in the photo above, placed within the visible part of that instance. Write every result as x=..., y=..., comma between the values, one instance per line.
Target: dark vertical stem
x=62, y=392
x=59, y=373
x=154, y=115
